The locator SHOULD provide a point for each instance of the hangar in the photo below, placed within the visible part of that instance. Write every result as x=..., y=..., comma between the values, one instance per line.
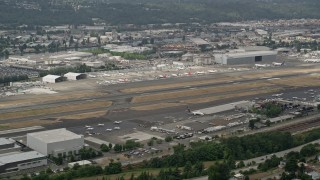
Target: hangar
x=253, y=57
x=75, y=76
x=57, y=142
x=52, y=78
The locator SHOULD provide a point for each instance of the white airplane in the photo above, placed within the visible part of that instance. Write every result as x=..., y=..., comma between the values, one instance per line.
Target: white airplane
x=261, y=65
x=277, y=95
x=92, y=76
x=117, y=122
x=107, y=75
x=278, y=64
x=108, y=129
x=212, y=71
x=174, y=75
x=117, y=128
x=180, y=68
x=87, y=126
x=90, y=128
x=197, y=113
x=100, y=124
x=200, y=72
x=162, y=76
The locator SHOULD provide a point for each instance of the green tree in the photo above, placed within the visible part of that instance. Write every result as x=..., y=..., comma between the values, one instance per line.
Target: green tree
x=219, y=171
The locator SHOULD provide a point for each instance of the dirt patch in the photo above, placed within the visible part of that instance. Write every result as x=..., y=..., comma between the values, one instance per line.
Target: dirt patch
x=298, y=81
x=54, y=110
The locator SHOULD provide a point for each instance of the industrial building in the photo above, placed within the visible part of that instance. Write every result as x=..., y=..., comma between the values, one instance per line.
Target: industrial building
x=254, y=57
x=57, y=142
x=20, y=161
x=52, y=78
x=75, y=76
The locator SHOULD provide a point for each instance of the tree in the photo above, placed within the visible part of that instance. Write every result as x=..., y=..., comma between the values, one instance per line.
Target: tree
x=168, y=139
x=219, y=171
x=308, y=150
x=251, y=124
x=291, y=165
x=268, y=123
x=117, y=148
x=104, y=148
x=113, y=168
x=110, y=145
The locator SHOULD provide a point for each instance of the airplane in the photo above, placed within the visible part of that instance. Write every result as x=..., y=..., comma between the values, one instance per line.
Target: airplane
x=180, y=68
x=162, y=76
x=90, y=128
x=212, y=71
x=200, y=72
x=100, y=124
x=197, y=113
x=117, y=122
x=108, y=129
x=92, y=76
x=278, y=64
x=107, y=75
x=174, y=75
x=261, y=65
x=87, y=126
x=117, y=128
x=277, y=95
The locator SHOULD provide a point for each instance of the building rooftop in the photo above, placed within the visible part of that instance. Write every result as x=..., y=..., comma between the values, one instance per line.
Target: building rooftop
x=10, y=158
x=251, y=53
x=55, y=135
x=5, y=141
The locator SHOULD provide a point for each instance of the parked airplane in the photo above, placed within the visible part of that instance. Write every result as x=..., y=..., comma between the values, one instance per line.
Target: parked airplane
x=174, y=75
x=117, y=122
x=200, y=72
x=212, y=71
x=197, y=113
x=100, y=124
x=278, y=64
x=261, y=65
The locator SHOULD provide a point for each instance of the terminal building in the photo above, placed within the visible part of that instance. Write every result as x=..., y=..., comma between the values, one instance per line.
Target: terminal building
x=57, y=142
x=244, y=58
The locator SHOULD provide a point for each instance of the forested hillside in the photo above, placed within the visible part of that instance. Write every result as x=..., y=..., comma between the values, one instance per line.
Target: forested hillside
x=50, y=12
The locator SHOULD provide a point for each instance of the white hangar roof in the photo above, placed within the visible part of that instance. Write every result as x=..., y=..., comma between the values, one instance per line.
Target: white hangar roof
x=56, y=135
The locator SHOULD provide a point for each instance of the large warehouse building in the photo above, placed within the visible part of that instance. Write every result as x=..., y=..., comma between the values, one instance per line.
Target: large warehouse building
x=254, y=57
x=57, y=142
x=75, y=76
x=52, y=78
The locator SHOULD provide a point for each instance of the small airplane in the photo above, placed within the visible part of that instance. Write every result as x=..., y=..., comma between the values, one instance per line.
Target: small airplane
x=108, y=129
x=162, y=76
x=261, y=65
x=277, y=95
x=92, y=76
x=87, y=126
x=117, y=122
x=278, y=64
x=100, y=124
x=212, y=71
x=107, y=75
x=197, y=113
x=200, y=72
x=117, y=128
x=90, y=128
x=174, y=75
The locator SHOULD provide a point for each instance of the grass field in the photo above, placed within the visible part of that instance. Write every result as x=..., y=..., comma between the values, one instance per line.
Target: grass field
x=54, y=110
x=33, y=99
x=84, y=115
x=176, y=85
x=197, y=92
